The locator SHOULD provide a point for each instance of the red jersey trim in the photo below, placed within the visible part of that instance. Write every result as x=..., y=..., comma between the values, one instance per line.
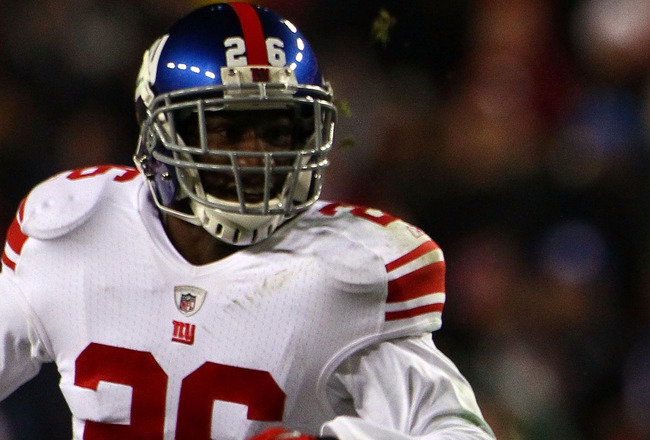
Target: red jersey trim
x=415, y=253
x=15, y=238
x=407, y=293
x=420, y=282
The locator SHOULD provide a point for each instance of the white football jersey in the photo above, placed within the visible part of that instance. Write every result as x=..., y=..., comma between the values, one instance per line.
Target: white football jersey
x=151, y=347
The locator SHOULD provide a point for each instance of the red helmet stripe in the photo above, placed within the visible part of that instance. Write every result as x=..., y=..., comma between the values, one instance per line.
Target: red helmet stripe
x=253, y=34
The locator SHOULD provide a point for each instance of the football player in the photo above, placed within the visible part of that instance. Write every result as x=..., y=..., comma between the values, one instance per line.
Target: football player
x=207, y=293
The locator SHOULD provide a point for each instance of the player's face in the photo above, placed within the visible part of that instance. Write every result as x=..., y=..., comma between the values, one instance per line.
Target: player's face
x=244, y=131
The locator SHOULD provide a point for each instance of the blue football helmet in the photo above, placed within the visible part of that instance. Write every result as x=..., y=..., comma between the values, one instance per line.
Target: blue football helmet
x=232, y=59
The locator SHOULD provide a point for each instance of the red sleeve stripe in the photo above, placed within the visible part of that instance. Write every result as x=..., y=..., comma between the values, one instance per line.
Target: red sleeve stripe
x=15, y=240
x=15, y=237
x=415, y=253
x=253, y=34
x=7, y=262
x=21, y=211
x=412, y=313
x=428, y=253
x=423, y=281
x=433, y=298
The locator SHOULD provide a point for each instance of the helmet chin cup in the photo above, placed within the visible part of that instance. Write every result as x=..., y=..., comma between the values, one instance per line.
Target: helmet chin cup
x=235, y=229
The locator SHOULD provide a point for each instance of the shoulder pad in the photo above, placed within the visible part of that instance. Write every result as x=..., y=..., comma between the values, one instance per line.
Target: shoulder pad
x=59, y=205
x=386, y=235
x=414, y=265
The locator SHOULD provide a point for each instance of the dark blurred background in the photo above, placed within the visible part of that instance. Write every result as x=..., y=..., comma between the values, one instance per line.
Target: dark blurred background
x=514, y=132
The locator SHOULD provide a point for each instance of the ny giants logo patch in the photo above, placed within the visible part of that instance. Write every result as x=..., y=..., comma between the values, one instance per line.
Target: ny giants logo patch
x=183, y=332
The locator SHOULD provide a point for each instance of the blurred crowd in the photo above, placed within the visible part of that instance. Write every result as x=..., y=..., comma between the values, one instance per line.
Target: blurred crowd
x=514, y=132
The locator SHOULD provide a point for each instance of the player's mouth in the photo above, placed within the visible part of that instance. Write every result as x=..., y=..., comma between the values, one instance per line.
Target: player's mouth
x=224, y=187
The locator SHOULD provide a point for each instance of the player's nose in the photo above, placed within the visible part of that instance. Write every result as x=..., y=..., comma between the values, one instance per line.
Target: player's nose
x=250, y=141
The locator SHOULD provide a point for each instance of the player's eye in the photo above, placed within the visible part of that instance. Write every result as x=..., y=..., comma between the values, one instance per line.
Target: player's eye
x=277, y=135
x=222, y=133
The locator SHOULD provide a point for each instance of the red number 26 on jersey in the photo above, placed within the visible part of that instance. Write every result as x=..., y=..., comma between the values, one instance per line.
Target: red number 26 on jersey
x=211, y=381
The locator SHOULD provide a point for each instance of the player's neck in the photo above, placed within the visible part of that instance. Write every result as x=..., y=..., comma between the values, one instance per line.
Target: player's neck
x=194, y=243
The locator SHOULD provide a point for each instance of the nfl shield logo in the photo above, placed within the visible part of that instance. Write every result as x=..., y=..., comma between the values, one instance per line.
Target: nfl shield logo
x=187, y=303
x=189, y=299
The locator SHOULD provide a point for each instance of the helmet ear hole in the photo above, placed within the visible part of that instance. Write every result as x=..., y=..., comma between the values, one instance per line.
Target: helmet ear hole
x=186, y=124
x=140, y=111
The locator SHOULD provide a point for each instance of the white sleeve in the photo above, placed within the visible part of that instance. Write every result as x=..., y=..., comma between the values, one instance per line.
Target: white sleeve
x=403, y=389
x=21, y=352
